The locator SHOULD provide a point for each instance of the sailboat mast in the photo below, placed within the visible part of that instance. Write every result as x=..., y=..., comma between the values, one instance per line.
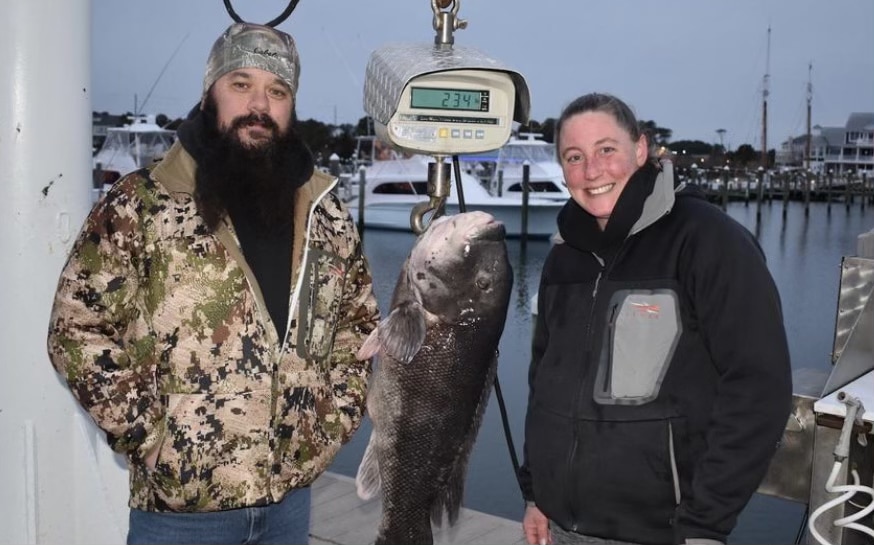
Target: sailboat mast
x=765, y=90
x=809, y=100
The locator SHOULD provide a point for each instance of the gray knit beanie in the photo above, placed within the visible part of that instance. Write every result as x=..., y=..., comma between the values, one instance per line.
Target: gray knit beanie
x=246, y=45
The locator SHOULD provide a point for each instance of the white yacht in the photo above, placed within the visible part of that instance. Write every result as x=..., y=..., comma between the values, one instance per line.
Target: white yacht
x=501, y=170
x=131, y=147
x=394, y=186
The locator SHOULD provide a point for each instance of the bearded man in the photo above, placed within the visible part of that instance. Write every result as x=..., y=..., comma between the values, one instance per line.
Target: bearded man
x=210, y=311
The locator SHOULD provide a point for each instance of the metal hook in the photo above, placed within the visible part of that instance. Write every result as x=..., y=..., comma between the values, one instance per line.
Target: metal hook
x=282, y=16
x=437, y=205
x=438, y=191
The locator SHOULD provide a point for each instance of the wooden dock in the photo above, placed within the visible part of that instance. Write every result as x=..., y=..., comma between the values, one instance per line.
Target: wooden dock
x=340, y=517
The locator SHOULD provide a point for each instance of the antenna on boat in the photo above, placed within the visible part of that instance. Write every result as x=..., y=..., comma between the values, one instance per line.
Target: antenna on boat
x=138, y=109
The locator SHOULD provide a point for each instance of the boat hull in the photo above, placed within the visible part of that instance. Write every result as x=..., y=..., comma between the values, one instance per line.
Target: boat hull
x=541, y=221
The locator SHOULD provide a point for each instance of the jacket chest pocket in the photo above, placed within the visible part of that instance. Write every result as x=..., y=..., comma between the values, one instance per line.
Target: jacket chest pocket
x=642, y=330
x=319, y=305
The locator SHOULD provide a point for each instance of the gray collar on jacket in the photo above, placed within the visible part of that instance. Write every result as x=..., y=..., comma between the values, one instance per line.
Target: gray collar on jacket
x=660, y=201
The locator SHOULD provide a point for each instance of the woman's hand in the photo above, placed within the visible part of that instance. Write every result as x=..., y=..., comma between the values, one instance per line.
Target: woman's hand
x=536, y=526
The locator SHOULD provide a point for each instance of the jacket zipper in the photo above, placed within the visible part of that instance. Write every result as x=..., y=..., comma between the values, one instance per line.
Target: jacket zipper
x=609, y=335
x=293, y=302
x=674, y=473
x=604, y=272
x=265, y=318
x=576, y=434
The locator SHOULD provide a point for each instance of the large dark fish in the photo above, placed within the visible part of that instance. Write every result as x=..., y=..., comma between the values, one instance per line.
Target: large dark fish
x=437, y=362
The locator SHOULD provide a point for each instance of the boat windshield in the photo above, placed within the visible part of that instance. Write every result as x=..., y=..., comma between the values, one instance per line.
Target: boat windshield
x=402, y=188
x=144, y=147
x=519, y=153
x=516, y=152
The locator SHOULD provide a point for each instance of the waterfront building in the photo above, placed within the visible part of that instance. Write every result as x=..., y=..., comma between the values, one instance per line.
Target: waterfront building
x=841, y=150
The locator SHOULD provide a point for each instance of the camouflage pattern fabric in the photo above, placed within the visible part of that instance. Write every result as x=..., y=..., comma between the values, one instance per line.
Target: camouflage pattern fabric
x=162, y=334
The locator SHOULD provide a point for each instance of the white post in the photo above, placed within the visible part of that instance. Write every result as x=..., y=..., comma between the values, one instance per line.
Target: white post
x=59, y=483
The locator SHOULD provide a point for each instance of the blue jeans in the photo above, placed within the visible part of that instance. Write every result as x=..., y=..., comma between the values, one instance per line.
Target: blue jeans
x=286, y=522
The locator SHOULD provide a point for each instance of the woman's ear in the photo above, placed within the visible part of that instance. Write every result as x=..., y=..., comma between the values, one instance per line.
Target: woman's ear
x=641, y=152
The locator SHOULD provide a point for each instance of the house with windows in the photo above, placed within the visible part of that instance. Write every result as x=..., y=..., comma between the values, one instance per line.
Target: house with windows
x=840, y=150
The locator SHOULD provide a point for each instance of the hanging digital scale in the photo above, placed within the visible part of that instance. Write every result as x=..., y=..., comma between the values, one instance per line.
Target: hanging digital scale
x=442, y=100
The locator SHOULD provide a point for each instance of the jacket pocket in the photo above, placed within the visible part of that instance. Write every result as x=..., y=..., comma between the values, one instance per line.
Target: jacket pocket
x=549, y=443
x=625, y=474
x=310, y=431
x=643, y=328
x=319, y=305
x=214, y=452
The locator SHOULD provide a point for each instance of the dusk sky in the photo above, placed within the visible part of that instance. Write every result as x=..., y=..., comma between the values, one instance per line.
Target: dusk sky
x=693, y=66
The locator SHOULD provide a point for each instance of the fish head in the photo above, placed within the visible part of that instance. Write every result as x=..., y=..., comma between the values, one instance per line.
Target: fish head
x=458, y=269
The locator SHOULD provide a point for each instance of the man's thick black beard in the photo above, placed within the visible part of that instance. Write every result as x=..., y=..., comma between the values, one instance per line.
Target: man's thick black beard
x=258, y=182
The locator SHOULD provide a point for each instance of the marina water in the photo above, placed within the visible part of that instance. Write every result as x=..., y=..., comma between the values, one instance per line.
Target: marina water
x=804, y=253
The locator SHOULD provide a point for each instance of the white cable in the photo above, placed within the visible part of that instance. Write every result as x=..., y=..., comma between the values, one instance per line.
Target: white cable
x=849, y=521
x=856, y=487
x=811, y=526
x=854, y=406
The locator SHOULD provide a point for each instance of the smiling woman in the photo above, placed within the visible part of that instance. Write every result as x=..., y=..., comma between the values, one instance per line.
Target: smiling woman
x=598, y=154
x=684, y=356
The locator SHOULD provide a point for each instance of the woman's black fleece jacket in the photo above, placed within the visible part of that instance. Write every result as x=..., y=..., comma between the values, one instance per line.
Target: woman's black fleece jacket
x=660, y=379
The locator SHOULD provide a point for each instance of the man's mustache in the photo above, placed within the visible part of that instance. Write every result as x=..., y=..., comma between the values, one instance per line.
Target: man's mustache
x=261, y=119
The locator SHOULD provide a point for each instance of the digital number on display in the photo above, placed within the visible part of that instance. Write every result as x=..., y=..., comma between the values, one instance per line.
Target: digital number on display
x=449, y=99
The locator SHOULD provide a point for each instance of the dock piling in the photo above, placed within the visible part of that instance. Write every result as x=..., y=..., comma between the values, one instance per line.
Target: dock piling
x=526, y=189
x=362, y=180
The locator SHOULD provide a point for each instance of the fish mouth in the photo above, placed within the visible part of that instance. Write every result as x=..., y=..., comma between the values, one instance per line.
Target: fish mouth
x=492, y=230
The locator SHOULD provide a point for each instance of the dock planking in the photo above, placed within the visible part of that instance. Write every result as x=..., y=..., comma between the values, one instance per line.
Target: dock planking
x=340, y=517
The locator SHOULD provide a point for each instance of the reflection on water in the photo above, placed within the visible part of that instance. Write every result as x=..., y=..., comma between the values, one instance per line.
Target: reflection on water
x=804, y=254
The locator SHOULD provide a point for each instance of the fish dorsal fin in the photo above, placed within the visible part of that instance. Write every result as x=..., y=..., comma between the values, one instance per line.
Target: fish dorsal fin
x=367, y=481
x=402, y=334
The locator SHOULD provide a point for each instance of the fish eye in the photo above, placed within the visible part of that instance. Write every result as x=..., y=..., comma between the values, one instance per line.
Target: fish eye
x=482, y=283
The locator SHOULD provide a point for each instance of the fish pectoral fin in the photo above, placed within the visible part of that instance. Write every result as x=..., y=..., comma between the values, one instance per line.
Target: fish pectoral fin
x=367, y=481
x=370, y=347
x=402, y=334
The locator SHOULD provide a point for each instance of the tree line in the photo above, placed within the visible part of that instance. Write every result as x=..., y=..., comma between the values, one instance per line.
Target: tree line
x=326, y=139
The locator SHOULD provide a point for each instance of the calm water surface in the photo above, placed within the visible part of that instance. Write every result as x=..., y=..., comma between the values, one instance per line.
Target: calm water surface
x=804, y=254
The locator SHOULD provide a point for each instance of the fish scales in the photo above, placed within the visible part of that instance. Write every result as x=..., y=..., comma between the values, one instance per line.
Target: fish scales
x=438, y=400
x=428, y=397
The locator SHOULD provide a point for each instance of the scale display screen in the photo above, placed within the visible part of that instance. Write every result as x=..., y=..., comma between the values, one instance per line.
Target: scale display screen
x=449, y=99
x=448, y=112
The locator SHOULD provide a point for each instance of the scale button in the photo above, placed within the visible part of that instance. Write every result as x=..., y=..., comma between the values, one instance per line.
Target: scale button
x=456, y=133
x=443, y=133
x=468, y=133
x=480, y=134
